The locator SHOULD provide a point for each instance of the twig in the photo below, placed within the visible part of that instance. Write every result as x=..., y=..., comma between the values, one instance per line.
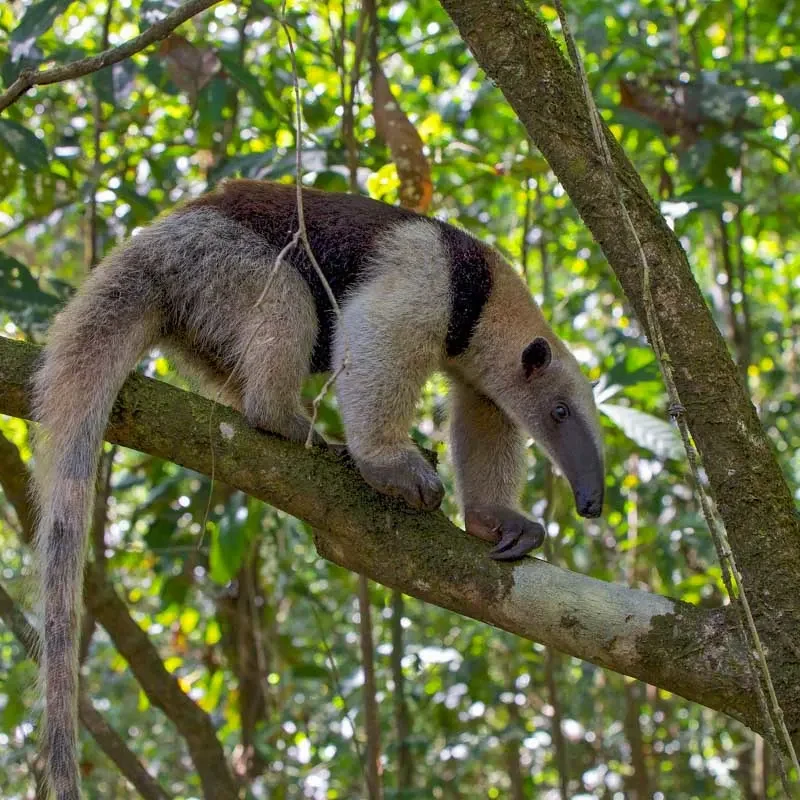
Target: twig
x=255, y=621
x=336, y=678
x=349, y=85
x=405, y=763
x=108, y=740
x=371, y=723
x=525, y=232
x=29, y=78
x=301, y=226
x=732, y=578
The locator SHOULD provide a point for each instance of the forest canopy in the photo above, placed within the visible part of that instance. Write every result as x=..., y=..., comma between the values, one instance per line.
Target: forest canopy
x=228, y=648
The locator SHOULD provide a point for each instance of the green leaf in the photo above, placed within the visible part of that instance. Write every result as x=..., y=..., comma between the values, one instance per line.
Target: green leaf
x=174, y=590
x=143, y=209
x=19, y=290
x=160, y=533
x=154, y=69
x=103, y=82
x=23, y=145
x=246, y=80
x=272, y=164
x=792, y=97
x=633, y=119
x=708, y=197
x=649, y=432
x=37, y=19
x=21, y=59
x=211, y=103
x=17, y=682
x=638, y=365
x=310, y=670
x=230, y=540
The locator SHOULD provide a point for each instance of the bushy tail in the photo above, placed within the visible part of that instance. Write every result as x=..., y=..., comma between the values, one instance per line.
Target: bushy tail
x=94, y=343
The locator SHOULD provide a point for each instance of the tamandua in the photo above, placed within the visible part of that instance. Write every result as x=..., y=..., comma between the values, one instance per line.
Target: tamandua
x=416, y=295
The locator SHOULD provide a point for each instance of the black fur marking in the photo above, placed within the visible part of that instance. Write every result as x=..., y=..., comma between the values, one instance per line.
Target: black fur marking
x=470, y=286
x=342, y=229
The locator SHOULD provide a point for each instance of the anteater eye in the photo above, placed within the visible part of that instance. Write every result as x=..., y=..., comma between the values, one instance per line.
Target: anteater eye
x=560, y=412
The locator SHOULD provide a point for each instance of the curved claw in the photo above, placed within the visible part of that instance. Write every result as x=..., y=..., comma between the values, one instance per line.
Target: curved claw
x=512, y=533
x=514, y=544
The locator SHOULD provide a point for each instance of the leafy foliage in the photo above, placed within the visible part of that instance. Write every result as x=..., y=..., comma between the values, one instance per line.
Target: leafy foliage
x=258, y=629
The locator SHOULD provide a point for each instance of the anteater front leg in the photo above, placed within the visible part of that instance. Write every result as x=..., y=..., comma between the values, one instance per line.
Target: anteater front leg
x=488, y=453
x=390, y=357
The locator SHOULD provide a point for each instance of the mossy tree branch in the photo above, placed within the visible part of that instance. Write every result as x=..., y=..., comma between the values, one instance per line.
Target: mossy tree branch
x=686, y=650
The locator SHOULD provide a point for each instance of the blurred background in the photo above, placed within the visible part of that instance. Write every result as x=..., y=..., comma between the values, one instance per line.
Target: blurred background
x=262, y=633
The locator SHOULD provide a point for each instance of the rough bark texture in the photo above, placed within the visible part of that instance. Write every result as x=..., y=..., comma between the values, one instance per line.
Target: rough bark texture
x=372, y=727
x=686, y=650
x=514, y=47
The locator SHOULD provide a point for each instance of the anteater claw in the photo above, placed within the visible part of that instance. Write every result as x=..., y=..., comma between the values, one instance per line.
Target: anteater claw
x=514, y=534
x=515, y=544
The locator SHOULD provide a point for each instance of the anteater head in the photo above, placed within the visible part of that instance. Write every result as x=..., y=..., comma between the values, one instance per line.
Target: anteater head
x=561, y=415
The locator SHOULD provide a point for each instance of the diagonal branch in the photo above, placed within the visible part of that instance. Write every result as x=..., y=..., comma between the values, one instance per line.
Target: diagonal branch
x=162, y=688
x=155, y=33
x=109, y=741
x=14, y=483
x=684, y=649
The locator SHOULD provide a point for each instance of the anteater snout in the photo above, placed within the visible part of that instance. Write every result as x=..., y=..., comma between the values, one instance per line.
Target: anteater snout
x=589, y=504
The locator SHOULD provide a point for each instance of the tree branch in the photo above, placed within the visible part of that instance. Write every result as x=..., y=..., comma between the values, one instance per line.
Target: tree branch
x=514, y=47
x=162, y=688
x=109, y=741
x=29, y=78
x=14, y=483
x=684, y=649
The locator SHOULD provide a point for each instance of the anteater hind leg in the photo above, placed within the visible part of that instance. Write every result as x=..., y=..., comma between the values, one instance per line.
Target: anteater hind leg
x=212, y=271
x=275, y=348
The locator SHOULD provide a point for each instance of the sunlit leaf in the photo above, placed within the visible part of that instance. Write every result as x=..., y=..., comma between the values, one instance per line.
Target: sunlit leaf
x=652, y=433
x=20, y=293
x=246, y=80
x=35, y=21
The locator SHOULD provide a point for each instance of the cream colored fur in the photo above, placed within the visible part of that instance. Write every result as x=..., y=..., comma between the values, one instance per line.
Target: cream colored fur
x=189, y=282
x=395, y=324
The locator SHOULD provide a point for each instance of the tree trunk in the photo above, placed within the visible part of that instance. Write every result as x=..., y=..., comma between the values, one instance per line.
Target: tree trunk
x=371, y=722
x=514, y=47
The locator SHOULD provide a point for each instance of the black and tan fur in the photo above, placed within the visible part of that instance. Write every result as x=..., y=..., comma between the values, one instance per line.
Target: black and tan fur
x=416, y=296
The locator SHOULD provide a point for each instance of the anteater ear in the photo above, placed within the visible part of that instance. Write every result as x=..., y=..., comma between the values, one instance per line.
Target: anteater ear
x=536, y=357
